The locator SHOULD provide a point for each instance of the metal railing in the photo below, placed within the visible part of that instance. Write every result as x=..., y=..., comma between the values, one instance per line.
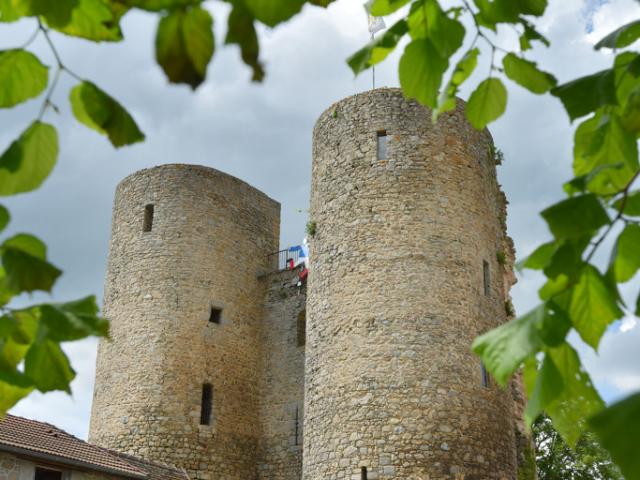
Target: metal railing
x=280, y=260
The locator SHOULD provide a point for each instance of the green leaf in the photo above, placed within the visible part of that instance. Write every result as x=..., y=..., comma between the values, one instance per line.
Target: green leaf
x=605, y=153
x=637, y=312
x=421, y=70
x=461, y=73
x=24, y=261
x=631, y=204
x=185, y=45
x=578, y=401
x=242, y=32
x=509, y=11
x=529, y=35
x=427, y=20
x=547, y=386
x=73, y=320
x=157, y=5
x=504, y=348
x=567, y=259
x=93, y=20
x=378, y=49
x=22, y=76
x=526, y=74
x=622, y=37
x=540, y=257
x=575, y=217
x=97, y=110
x=12, y=10
x=56, y=13
x=273, y=12
x=48, y=366
x=593, y=306
x=586, y=94
x=4, y=218
x=617, y=428
x=380, y=8
x=627, y=260
x=10, y=394
x=487, y=103
x=29, y=160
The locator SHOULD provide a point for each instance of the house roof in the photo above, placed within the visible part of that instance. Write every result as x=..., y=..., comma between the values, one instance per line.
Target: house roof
x=44, y=441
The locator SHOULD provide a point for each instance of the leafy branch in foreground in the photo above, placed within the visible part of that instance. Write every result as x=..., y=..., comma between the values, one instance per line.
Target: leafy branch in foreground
x=602, y=198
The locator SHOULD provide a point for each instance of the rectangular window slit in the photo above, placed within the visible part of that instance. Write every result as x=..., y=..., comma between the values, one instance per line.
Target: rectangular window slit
x=297, y=426
x=382, y=145
x=485, y=375
x=487, y=278
x=302, y=328
x=215, y=315
x=207, y=404
x=148, y=218
x=363, y=473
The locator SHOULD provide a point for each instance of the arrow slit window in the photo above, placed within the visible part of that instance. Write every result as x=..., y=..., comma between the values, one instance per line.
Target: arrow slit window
x=382, y=145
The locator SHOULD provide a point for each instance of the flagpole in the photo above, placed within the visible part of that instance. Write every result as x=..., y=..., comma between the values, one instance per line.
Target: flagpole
x=373, y=68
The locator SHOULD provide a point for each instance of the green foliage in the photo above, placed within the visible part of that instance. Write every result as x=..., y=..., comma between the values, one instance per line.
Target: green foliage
x=185, y=45
x=311, y=228
x=622, y=37
x=29, y=160
x=421, y=71
x=556, y=460
x=501, y=258
x=487, y=103
x=378, y=49
x=97, y=110
x=526, y=74
x=22, y=76
x=616, y=427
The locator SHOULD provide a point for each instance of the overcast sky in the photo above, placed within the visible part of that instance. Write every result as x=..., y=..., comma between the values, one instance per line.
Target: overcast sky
x=261, y=133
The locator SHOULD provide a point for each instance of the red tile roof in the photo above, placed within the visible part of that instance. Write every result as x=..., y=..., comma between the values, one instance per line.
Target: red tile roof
x=47, y=442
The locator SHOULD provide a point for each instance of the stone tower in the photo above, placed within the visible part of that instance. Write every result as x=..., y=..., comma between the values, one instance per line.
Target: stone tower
x=404, y=274
x=220, y=364
x=186, y=305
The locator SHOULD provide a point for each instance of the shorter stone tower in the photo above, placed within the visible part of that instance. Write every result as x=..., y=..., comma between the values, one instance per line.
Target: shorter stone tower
x=179, y=380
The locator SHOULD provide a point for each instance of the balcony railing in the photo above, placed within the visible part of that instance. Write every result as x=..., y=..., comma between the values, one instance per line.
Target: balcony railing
x=283, y=259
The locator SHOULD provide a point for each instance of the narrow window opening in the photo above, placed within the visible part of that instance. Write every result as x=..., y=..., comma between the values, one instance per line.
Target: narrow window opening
x=47, y=474
x=487, y=278
x=215, y=315
x=296, y=424
x=363, y=473
x=382, y=145
x=148, y=218
x=485, y=376
x=302, y=328
x=206, y=405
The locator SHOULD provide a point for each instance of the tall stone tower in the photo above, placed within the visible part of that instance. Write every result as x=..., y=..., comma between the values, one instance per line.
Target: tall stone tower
x=404, y=274
x=179, y=380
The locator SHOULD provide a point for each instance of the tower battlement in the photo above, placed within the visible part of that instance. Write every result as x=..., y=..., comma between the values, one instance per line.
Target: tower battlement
x=225, y=368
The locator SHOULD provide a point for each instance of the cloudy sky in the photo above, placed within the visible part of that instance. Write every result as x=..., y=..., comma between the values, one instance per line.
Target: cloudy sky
x=262, y=134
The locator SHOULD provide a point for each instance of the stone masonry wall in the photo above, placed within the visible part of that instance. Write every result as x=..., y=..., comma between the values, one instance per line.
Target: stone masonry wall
x=210, y=237
x=282, y=379
x=13, y=467
x=396, y=297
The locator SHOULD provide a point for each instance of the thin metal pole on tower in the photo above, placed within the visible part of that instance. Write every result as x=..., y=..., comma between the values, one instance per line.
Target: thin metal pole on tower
x=373, y=69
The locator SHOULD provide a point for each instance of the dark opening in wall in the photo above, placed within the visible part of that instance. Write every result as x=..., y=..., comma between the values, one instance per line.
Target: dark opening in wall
x=206, y=404
x=487, y=278
x=215, y=316
x=302, y=328
x=297, y=430
x=485, y=375
x=147, y=225
x=47, y=474
x=382, y=145
x=363, y=473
